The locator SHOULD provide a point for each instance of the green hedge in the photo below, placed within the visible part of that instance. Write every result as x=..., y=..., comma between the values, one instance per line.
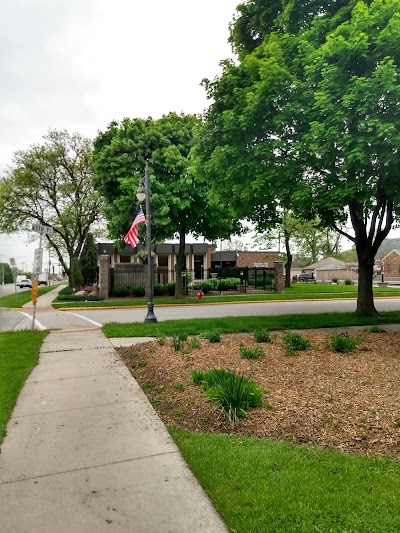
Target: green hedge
x=74, y=298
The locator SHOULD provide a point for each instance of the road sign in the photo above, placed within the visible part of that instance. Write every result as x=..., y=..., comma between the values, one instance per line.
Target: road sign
x=40, y=228
x=37, y=262
x=35, y=289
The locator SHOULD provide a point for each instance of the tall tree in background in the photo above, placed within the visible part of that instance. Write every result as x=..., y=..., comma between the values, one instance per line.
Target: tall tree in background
x=51, y=184
x=309, y=119
x=88, y=261
x=180, y=203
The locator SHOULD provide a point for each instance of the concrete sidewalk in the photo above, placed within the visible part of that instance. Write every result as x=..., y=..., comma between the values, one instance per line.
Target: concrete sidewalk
x=43, y=302
x=85, y=451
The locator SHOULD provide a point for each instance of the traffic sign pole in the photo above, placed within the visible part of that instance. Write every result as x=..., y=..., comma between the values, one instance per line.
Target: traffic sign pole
x=35, y=290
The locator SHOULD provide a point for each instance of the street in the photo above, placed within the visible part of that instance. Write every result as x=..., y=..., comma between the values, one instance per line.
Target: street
x=84, y=319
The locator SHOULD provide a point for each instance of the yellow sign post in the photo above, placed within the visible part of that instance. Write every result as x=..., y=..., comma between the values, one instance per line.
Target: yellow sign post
x=35, y=289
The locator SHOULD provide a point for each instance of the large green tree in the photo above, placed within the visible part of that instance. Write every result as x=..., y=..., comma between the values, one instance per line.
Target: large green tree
x=309, y=119
x=51, y=184
x=180, y=202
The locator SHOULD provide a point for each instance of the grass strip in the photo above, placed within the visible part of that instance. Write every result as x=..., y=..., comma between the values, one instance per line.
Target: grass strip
x=19, y=353
x=239, y=324
x=260, y=486
x=296, y=292
x=22, y=296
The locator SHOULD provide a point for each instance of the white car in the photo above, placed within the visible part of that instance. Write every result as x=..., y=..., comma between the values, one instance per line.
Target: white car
x=25, y=283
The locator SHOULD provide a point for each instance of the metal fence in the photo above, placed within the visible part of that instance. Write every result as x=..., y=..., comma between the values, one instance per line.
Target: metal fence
x=240, y=279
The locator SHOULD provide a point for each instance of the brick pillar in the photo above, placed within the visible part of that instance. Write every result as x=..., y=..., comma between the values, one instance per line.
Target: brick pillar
x=279, y=276
x=104, y=276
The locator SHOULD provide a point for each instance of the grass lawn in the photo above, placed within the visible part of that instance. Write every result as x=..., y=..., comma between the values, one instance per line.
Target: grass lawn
x=299, y=291
x=240, y=324
x=260, y=486
x=19, y=353
x=22, y=296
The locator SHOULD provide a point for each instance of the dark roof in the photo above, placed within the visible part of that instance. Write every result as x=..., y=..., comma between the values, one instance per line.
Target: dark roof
x=164, y=248
x=227, y=255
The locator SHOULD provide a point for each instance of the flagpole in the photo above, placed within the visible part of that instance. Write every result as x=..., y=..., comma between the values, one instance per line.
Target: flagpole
x=150, y=317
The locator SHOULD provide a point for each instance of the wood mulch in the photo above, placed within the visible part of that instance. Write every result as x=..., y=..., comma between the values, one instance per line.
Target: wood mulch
x=348, y=402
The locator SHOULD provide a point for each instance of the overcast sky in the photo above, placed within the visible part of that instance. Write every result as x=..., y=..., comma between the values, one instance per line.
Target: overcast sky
x=79, y=64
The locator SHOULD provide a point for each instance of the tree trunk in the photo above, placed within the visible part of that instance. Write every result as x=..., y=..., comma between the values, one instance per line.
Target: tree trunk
x=365, y=298
x=180, y=265
x=288, y=264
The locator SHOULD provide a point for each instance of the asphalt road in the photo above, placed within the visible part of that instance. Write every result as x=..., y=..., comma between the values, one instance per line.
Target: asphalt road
x=57, y=320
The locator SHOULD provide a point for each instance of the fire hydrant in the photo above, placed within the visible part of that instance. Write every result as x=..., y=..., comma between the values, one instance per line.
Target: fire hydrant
x=199, y=295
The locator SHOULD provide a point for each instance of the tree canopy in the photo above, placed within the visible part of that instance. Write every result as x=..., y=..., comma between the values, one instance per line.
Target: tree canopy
x=51, y=184
x=180, y=202
x=309, y=119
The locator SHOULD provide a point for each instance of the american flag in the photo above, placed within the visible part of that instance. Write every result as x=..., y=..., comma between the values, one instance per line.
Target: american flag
x=132, y=237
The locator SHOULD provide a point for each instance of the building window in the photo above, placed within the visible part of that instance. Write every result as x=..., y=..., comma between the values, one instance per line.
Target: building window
x=162, y=261
x=124, y=258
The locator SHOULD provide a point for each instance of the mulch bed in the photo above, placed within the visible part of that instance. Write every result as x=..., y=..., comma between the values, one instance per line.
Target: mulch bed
x=349, y=402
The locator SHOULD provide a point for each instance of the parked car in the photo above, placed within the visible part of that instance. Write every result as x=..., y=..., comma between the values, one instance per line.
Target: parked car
x=25, y=283
x=306, y=276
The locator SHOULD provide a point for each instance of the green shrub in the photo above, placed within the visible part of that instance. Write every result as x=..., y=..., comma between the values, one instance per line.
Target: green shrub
x=159, y=289
x=262, y=335
x=198, y=377
x=251, y=353
x=138, y=290
x=161, y=339
x=178, y=340
x=348, y=282
x=66, y=290
x=120, y=290
x=74, y=298
x=334, y=280
x=205, y=286
x=213, y=336
x=342, y=342
x=170, y=288
x=375, y=329
x=295, y=342
x=233, y=393
x=194, y=343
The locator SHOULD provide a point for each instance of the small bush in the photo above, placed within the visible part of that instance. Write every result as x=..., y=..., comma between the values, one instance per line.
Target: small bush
x=295, y=342
x=262, y=335
x=251, y=353
x=74, y=298
x=138, y=291
x=194, y=343
x=120, y=291
x=170, y=288
x=159, y=289
x=161, y=339
x=334, y=280
x=213, y=336
x=342, y=343
x=178, y=340
x=375, y=329
x=233, y=393
x=198, y=377
x=66, y=290
x=348, y=282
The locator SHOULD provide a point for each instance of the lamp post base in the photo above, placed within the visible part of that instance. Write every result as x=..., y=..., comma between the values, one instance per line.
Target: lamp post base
x=150, y=317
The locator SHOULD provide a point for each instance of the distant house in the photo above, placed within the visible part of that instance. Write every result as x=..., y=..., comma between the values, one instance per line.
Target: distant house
x=331, y=268
x=391, y=265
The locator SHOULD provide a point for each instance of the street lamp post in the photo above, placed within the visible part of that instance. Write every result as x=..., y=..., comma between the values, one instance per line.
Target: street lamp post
x=141, y=195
